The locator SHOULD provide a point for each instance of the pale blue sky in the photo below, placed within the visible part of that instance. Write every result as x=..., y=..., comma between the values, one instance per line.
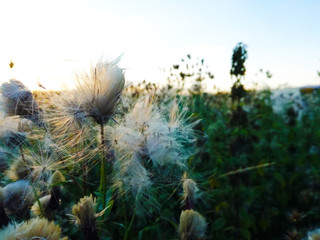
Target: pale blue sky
x=51, y=40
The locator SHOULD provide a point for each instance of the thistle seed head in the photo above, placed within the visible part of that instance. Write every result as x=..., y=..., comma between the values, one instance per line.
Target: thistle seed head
x=19, y=170
x=13, y=139
x=19, y=101
x=18, y=198
x=70, y=123
x=99, y=91
x=39, y=162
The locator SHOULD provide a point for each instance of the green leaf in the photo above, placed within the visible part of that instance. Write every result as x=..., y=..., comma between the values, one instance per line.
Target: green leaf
x=245, y=233
x=218, y=223
x=109, y=207
x=119, y=225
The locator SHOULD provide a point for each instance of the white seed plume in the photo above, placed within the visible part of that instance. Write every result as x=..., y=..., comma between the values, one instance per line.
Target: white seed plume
x=44, y=159
x=69, y=121
x=99, y=91
x=149, y=146
x=134, y=176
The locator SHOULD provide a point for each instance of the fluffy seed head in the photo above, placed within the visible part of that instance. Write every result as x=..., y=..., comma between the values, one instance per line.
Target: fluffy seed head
x=19, y=170
x=152, y=144
x=69, y=120
x=99, y=91
x=19, y=101
x=134, y=176
x=39, y=162
x=13, y=139
x=192, y=225
x=5, y=155
x=18, y=198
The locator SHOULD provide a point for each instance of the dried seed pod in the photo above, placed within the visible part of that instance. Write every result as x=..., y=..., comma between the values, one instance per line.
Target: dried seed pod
x=192, y=225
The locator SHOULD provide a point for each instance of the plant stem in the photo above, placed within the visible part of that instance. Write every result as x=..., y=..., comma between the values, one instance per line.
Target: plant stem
x=124, y=211
x=84, y=168
x=103, y=184
x=22, y=154
x=130, y=225
x=38, y=200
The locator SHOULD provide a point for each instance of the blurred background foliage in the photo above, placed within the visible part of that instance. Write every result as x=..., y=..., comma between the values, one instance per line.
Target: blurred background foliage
x=258, y=161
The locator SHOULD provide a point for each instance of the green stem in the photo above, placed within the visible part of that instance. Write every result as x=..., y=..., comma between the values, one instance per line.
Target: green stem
x=38, y=199
x=84, y=168
x=103, y=183
x=124, y=212
x=130, y=225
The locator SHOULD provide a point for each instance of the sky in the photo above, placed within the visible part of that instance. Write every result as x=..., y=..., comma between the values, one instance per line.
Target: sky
x=52, y=41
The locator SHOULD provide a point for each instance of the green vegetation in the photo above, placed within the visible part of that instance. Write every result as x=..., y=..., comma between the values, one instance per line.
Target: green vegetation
x=163, y=163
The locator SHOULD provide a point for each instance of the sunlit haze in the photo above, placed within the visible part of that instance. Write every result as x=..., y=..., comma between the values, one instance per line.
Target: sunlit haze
x=50, y=41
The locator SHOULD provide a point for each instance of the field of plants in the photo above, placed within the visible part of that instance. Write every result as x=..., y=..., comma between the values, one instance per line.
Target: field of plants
x=110, y=161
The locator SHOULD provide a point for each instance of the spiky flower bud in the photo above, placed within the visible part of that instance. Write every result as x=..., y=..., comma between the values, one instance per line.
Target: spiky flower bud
x=192, y=225
x=18, y=198
x=36, y=228
x=295, y=216
x=85, y=216
x=8, y=233
x=190, y=190
x=84, y=212
x=44, y=209
x=19, y=170
x=57, y=177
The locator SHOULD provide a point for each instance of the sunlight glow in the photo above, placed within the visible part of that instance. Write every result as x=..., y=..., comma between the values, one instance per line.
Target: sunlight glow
x=50, y=41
